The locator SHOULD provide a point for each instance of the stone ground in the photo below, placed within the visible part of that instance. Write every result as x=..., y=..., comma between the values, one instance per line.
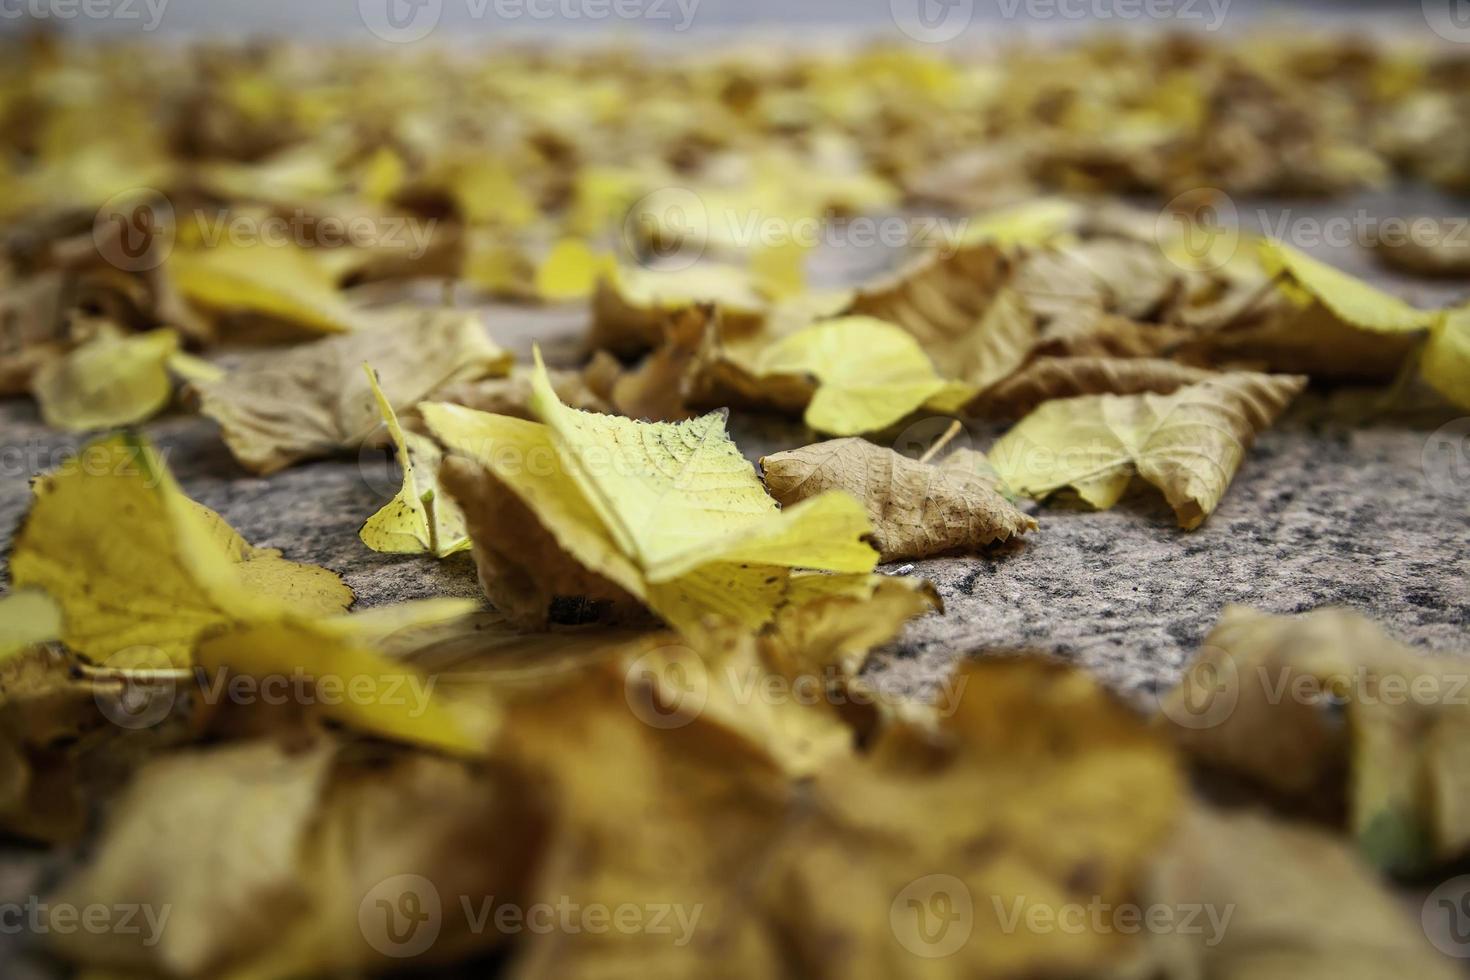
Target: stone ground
x=1323, y=512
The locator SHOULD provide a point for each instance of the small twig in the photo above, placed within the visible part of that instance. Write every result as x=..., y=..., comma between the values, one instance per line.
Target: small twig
x=942, y=441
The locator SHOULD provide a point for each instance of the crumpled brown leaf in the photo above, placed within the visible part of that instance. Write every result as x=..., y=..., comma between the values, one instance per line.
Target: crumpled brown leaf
x=1047, y=378
x=917, y=509
x=315, y=400
x=1325, y=706
x=1276, y=901
x=963, y=309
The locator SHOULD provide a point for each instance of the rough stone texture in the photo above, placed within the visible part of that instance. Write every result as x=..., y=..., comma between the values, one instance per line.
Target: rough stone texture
x=1322, y=512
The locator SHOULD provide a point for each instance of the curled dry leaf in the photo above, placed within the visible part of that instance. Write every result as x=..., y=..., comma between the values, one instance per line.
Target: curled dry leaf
x=263, y=289
x=775, y=878
x=1189, y=444
x=1326, y=706
x=254, y=862
x=315, y=400
x=1048, y=378
x=511, y=394
x=420, y=517
x=140, y=570
x=963, y=310
x=629, y=307
x=1436, y=247
x=1276, y=902
x=669, y=514
x=917, y=509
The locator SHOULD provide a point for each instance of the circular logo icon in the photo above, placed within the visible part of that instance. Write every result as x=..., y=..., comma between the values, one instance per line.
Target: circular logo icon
x=1446, y=459
x=135, y=230
x=400, y=21
x=933, y=916
x=668, y=228
x=1199, y=230
x=1446, y=917
x=1450, y=19
x=144, y=690
x=401, y=916
x=667, y=687
x=932, y=21
x=377, y=463
x=1208, y=694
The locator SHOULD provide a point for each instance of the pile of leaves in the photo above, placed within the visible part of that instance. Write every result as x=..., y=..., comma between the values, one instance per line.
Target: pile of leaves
x=624, y=762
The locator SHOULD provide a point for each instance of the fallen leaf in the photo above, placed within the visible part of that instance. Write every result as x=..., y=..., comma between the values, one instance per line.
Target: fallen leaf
x=1351, y=300
x=420, y=517
x=917, y=509
x=666, y=514
x=314, y=400
x=1189, y=443
x=1276, y=902
x=112, y=380
x=1325, y=706
x=629, y=306
x=961, y=308
x=1048, y=378
x=140, y=571
x=1445, y=361
x=279, y=286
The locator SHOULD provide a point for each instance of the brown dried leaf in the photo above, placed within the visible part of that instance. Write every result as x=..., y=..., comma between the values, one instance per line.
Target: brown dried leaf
x=1067, y=377
x=917, y=509
x=315, y=400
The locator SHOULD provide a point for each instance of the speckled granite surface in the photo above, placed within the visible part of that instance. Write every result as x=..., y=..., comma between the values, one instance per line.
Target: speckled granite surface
x=1322, y=512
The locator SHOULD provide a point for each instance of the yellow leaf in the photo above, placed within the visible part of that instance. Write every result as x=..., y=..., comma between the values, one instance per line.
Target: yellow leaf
x=571, y=271
x=677, y=495
x=357, y=684
x=111, y=380
x=1032, y=223
x=1350, y=299
x=1189, y=444
x=141, y=571
x=1445, y=363
x=870, y=373
x=421, y=517
x=281, y=284
x=26, y=619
